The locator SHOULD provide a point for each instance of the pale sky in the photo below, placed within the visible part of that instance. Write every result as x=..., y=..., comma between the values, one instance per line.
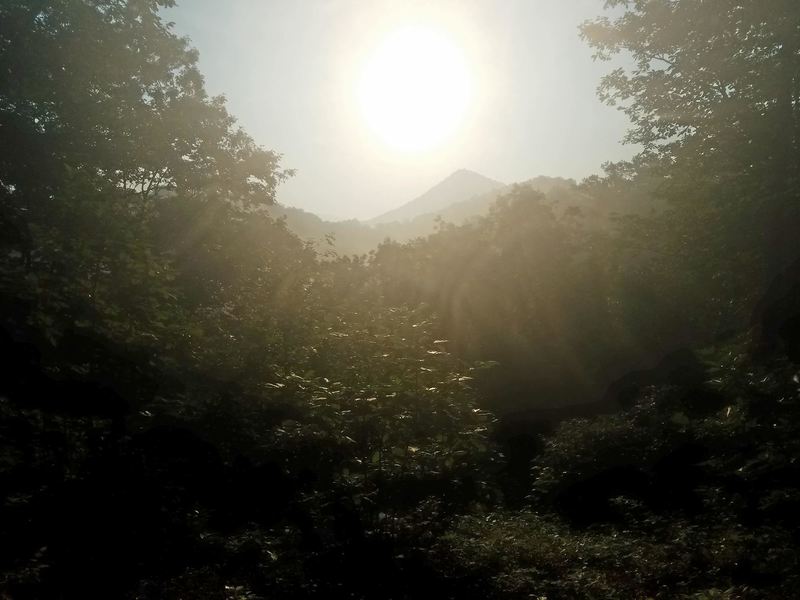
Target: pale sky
x=291, y=70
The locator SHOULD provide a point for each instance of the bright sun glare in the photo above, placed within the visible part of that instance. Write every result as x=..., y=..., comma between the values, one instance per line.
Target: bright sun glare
x=416, y=89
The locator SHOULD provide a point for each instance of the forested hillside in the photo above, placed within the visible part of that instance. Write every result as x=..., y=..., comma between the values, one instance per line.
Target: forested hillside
x=356, y=238
x=458, y=200
x=591, y=392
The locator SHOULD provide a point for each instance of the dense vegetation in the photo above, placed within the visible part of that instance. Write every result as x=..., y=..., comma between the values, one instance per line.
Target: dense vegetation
x=592, y=393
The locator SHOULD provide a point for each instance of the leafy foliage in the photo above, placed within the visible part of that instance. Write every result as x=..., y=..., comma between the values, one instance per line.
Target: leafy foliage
x=654, y=502
x=195, y=404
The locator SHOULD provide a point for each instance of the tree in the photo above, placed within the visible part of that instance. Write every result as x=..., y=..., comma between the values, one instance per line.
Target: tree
x=713, y=93
x=105, y=89
x=105, y=121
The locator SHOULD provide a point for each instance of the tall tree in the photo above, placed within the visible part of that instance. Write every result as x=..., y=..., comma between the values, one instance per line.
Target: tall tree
x=106, y=89
x=104, y=117
x=713, y=91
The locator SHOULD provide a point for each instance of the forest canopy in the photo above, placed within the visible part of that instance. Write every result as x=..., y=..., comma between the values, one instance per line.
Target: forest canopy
x=589, y=391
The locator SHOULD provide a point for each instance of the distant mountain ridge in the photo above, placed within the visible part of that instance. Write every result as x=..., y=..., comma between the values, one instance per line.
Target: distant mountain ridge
x=461, y=196
x=457, y=187
x=479, y=204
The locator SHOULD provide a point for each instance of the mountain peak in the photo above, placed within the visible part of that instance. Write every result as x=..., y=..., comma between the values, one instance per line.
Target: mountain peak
x=466, y=174
x=460, y=185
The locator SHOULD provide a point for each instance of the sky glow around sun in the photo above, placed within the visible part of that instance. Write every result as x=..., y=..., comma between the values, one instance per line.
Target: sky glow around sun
x=374, y=102
x=415, y=89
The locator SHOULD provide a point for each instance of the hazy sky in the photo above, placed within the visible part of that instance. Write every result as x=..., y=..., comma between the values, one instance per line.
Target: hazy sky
x=291, y=69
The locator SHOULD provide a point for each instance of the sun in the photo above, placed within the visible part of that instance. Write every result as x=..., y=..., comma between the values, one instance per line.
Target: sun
x=416, y=89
